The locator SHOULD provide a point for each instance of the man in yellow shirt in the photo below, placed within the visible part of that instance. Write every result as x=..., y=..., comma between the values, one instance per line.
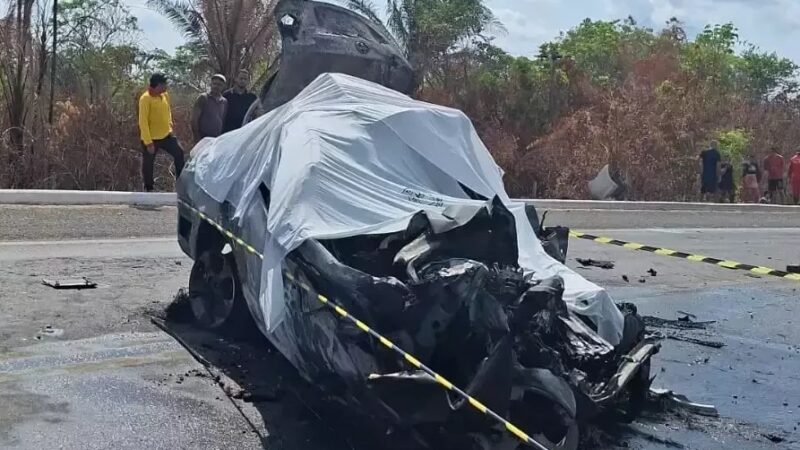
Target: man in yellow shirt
x=155, y=129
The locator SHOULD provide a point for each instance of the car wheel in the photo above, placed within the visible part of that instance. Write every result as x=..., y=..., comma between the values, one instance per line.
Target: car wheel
x=570, y=440
x=213, y=289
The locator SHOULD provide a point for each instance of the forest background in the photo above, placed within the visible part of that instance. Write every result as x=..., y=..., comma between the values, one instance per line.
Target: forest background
x=645, y=100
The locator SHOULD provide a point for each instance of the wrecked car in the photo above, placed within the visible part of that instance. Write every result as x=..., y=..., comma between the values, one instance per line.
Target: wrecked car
x=394, y=210
x=319, y=37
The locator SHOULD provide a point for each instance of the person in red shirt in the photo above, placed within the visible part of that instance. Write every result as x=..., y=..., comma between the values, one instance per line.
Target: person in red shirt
x=774, y=166
x=794, y=177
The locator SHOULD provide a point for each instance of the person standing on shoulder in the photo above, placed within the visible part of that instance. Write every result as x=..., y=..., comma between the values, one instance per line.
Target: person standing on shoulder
x=208, y=114
x=794, y=177
x=155, y=129
x=239, y=101
x=710, y=171
x=727, y=187
x=751, y=190
x=774, y=166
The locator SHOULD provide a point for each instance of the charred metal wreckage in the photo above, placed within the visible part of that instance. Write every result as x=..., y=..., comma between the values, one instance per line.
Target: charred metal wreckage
x=458, y=301
x=452, y=294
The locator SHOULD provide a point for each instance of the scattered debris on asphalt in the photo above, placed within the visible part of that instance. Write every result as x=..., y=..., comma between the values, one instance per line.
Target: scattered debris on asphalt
x=680, y=401
x=704, y=343
x=773, y=438
x=676, y=329
x=49, y=331
x=588, y=262
x=686, y=322
x=71, y=283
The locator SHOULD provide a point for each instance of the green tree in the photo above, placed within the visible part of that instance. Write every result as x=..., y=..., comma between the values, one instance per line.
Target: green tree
x=594, y=46
x=733, y=145
x=768, y=74
x=185, y=67
x=712, y=57
x=601, y=49
x=97, y=48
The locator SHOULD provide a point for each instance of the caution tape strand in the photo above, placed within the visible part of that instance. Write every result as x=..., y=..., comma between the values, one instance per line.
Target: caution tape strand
x=341, y=312
x=726, y=263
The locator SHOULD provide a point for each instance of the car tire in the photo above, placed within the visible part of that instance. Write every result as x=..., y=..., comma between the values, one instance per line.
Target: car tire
x=215, y=294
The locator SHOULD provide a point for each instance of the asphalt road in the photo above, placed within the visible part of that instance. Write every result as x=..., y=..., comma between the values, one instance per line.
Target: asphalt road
x=86, y=369
x=36, y=223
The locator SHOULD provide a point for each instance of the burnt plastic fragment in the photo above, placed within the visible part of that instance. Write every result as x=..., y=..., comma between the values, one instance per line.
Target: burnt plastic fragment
x=588, y=262
x=555, y=241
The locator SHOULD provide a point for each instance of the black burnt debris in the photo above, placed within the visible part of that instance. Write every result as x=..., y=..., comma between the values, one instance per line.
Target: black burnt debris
x=458, y=301
x=588, y=262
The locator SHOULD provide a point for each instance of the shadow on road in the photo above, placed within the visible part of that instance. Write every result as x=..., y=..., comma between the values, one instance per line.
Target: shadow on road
x=287, y=412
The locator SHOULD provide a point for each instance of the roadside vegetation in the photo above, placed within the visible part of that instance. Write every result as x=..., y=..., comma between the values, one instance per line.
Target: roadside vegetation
x=646, y=101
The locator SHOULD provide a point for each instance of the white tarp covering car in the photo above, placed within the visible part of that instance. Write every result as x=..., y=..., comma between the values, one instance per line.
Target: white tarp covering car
x=348, y=157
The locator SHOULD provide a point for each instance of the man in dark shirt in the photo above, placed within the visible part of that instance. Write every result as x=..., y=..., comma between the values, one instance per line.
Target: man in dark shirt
x=710, y=172
x=727, y=187
x=239, y=101
x=208, y=114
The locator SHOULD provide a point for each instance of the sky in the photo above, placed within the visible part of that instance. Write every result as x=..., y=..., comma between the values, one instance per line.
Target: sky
x=772, y=25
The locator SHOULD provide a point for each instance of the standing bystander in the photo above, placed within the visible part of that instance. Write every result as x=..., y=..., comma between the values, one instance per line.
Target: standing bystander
x=727, y=187
x=710, y=171
x=751, y=192
x=794, y=177
x=774, y=166
x=208, y=114
x=155, y=129
x=239, y=101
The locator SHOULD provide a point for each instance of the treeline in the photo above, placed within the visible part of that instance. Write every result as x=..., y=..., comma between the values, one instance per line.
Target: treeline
x=645, y=101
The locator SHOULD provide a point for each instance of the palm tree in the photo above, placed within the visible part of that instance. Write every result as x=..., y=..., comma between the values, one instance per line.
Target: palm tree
x=427, y=30
x=233, y=34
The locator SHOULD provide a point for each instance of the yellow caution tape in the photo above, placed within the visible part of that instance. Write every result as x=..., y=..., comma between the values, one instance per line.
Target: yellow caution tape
x=726, y=263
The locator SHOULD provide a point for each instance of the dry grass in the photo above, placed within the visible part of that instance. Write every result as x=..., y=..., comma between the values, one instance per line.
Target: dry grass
x=88, y=147
x=651, y=128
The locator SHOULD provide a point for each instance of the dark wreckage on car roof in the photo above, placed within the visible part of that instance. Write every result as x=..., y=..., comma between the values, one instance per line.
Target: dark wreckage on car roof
x=393, y=209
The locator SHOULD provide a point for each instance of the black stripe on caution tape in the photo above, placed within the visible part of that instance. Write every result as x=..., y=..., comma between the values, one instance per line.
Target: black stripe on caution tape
x=341, y=312
x=726, y=263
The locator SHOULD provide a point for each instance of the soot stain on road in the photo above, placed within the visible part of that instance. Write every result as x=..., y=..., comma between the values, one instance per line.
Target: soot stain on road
x=298, y=414
x=252, y=371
